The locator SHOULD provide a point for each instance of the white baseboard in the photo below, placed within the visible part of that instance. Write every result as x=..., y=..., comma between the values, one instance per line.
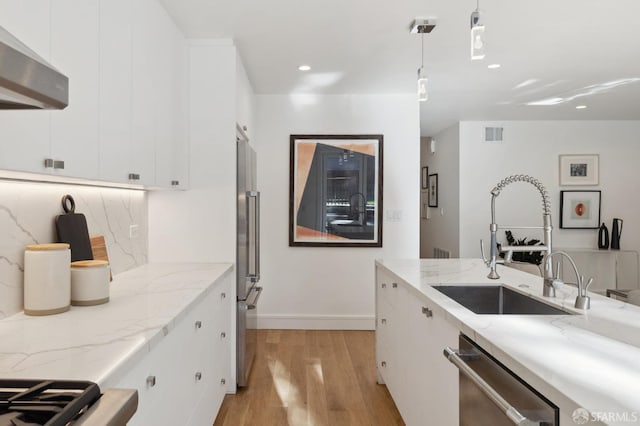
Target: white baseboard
x=316, y=322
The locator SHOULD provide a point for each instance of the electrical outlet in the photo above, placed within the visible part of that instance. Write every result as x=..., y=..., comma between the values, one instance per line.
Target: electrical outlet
x=134, y=231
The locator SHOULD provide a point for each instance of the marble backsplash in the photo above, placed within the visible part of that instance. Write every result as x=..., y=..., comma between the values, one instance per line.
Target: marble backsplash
x=27, y=216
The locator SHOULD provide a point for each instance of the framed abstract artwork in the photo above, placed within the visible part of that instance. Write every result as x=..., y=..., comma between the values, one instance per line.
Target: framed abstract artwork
x=335, y=190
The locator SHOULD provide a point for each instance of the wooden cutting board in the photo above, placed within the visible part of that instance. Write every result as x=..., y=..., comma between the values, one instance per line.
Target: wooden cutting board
x=99, y=250
x=71, y=228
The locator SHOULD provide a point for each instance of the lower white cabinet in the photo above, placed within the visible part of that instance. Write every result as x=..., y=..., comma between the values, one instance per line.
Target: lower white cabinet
x=410, y=338
x=184, y=378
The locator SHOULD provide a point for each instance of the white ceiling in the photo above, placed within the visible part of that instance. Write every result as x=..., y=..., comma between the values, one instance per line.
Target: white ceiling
x=576, y=51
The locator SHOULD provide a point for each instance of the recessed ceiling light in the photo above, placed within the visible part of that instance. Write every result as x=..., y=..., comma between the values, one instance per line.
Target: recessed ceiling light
x=493, y=66
x=304, y=67
x=581, y=107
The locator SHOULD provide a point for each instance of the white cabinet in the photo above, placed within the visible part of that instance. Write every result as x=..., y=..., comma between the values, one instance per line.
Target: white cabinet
x=65, y=33
x=25, y=135
x=171, y=144
x=127, y=64
x=410, y=338
x=74, y=50
x=116, y=26
x=184, y=378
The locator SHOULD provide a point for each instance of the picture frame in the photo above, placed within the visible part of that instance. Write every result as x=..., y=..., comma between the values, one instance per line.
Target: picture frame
x=580, y=209
x=335, y=190
x=425, y=178
x=424, y=205
x=579, y=169
x=433, y=190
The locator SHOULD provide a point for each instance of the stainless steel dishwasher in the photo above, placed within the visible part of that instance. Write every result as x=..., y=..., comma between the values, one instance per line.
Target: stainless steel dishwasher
x=491, y=395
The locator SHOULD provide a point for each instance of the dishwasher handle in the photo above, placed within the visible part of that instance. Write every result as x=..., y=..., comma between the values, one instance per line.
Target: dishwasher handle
x=511, y=412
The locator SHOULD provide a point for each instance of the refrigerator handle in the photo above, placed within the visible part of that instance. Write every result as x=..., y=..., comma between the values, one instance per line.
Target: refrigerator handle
x=257, y=291
x=253, y=215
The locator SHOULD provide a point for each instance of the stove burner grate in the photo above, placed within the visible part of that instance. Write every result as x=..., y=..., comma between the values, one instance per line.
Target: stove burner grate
x=25, y=402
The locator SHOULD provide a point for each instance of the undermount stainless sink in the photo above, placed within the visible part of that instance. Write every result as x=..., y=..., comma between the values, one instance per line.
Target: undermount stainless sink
x=496, y=300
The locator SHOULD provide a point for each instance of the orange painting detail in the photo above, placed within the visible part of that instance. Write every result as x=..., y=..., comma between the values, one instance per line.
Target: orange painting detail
x=368, y=148
x=308, y=233
x=306, y=151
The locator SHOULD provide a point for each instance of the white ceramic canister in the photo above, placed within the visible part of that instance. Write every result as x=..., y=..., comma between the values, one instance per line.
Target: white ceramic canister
x=47, y=279
x=89, y=282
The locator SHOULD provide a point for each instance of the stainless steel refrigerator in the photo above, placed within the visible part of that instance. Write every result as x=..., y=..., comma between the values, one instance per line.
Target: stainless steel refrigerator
x=247, y=257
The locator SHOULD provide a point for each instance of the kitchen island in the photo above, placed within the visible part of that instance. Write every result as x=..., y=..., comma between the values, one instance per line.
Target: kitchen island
x=588, y=359
x=164, y=323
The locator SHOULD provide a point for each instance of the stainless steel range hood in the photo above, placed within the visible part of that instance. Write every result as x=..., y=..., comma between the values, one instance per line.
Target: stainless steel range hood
x=26, y=80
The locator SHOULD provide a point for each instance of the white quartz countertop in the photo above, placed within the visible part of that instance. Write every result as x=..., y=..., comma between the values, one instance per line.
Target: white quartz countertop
x=96, y=342
x=588, y=360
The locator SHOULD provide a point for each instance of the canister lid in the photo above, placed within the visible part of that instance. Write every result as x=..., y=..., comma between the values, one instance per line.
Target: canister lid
x=88, y=263
x=47, y=247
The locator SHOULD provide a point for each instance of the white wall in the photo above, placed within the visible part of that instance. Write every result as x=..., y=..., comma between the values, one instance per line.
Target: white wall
x=532, y=147
x=441, y=229
x=317, y=287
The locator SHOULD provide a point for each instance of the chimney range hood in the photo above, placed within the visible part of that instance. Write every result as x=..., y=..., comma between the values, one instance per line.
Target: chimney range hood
x=26, y=80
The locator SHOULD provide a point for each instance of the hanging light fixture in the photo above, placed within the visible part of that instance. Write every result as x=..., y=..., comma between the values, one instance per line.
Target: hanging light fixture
x=477, y=34
x=423, y=93
x=422, y=26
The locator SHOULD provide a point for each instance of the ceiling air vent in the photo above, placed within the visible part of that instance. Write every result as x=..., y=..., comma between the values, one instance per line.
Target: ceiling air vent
x=493, y=134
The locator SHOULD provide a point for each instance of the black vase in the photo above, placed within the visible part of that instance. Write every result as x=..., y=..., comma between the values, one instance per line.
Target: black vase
x=603, y=237
x=616, y=234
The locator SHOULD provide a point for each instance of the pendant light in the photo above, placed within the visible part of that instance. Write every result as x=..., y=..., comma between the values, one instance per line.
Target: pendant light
x=423, y=93
x=422, y=26
x=477, y=34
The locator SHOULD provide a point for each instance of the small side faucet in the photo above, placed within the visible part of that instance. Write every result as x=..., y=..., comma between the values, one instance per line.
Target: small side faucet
x=582, y=300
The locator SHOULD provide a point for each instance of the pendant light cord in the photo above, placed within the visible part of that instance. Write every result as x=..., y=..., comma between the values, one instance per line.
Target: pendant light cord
x=422, y=50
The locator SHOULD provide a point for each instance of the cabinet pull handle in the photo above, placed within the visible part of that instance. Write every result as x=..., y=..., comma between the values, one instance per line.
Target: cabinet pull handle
x=175, y=183
x=428, y=312
x=198, y=376
x=198, y=324
x=223, y=295
x=383, y=321
x=383, y=363
x=384, y=285
x=223, y=381
x=151, y=381
x=134, y=176
x=394, y=285
x=50, y=163
x=223, y=335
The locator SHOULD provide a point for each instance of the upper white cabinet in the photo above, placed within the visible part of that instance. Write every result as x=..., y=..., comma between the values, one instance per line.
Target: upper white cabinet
x=25, y=135
x=116, y=26
x=74, y=49
x=171, y=106
x=128, y=86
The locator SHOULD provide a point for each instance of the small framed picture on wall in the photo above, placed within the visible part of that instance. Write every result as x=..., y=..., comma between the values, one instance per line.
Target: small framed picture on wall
x=433, y=190
x=579, y=169
x=580, y=209
x=425, y=177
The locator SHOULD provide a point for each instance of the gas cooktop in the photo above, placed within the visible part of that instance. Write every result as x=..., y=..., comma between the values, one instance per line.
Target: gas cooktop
x=28, y=402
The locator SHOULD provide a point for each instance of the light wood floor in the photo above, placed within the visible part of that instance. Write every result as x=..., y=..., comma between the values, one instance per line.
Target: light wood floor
x=312, y=377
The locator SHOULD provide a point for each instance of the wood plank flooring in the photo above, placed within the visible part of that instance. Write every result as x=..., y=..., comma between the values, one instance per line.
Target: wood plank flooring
x=312, y=377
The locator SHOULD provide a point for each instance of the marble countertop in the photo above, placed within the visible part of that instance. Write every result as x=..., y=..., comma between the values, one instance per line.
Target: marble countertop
x=97, y=343
x=587, y=360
